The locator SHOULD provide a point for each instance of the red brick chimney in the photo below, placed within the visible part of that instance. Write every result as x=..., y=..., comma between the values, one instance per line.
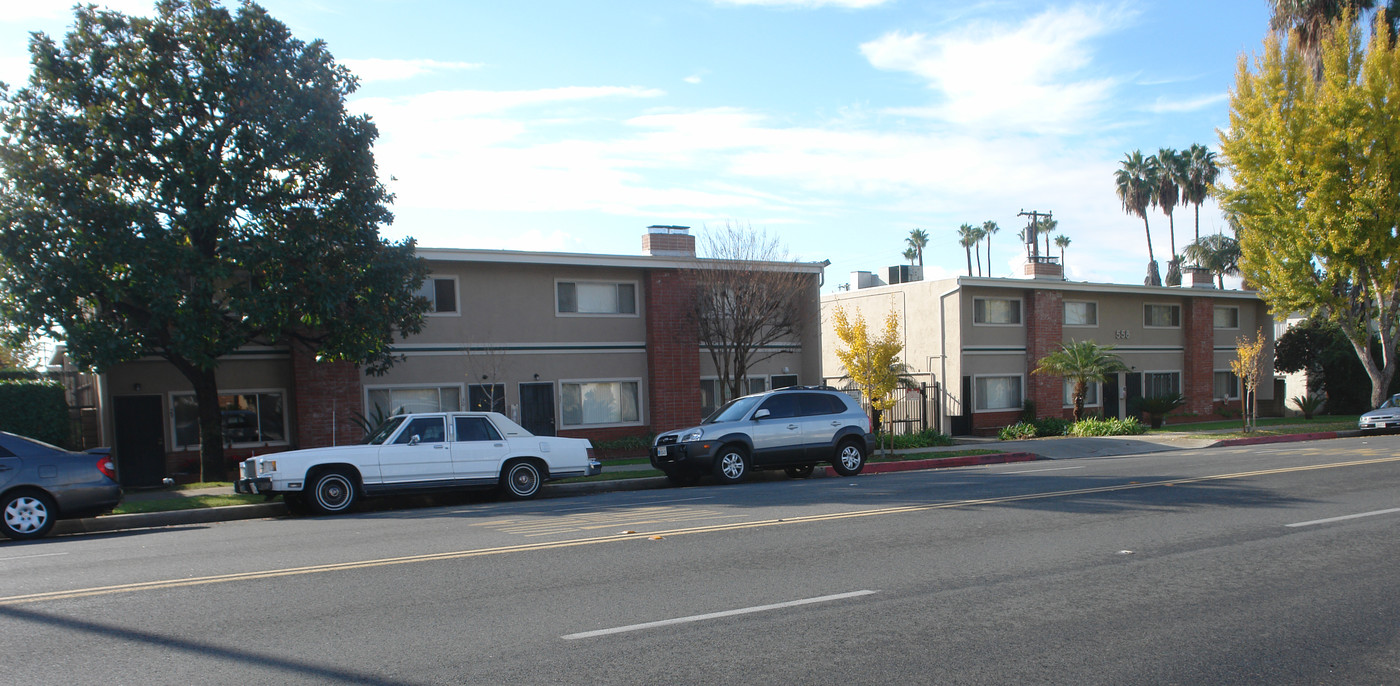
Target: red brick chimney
x=668, y=241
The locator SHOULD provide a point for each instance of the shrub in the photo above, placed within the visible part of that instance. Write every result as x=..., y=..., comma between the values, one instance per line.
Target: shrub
x=922, y=439
x=1097, y=426
x=1017, y=431
x=36, y=409
x=1158, y=406
x=1051, y=426
x=1308, y=404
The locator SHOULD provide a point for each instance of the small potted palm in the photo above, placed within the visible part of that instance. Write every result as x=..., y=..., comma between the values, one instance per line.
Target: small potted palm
x=1158, y=406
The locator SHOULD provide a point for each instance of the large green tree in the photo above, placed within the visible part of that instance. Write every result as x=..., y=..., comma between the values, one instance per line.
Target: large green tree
x=1315, y=186
x=186, y=184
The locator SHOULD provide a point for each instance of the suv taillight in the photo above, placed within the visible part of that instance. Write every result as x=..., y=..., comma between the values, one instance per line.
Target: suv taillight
x=107, y=467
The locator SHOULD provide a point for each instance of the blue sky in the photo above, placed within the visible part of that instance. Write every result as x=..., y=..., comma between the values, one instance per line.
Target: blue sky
x=836, y=125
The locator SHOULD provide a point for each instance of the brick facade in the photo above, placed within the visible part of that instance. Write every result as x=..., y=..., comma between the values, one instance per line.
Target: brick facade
x=327, y=397
x=673, y=350
x=1198, y=375
x=1044, y=335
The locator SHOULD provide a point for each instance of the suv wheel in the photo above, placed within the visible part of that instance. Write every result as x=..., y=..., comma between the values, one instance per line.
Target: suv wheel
x=732, y=465
x=850, y=458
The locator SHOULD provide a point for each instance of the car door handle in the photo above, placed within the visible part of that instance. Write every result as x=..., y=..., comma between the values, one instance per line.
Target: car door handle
x=5, y=468
x=439, y=446
x=836, y=423
x=792, y=427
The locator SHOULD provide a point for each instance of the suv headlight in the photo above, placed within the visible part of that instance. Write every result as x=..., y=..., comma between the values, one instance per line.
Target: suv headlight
x=266, y=466
x=692, y=435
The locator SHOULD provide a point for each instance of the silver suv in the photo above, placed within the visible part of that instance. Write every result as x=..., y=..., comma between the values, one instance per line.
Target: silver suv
x=792, y=428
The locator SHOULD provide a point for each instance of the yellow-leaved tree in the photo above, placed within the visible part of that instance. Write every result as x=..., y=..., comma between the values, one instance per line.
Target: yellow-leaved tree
x=871, y=362
x=1314, y=169
x=1248, y=366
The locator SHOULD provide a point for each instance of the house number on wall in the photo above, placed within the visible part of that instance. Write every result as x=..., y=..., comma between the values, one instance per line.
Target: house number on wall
x=1121, y=334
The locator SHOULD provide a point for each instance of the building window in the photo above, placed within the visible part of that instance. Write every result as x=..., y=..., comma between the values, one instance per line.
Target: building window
x=1227, y=386
x=757, y=384
x=579, y=297
x=996, y=311
x=591, y=403
x=1161, y=316
x=709, y=396
x=997, y=393
x=391, y=401
x=1081, y=314
x=783, y=380
x=249, y=418
x=1161, y=384
x=1227, y=317
x=485, y=397
x=441, y=293
x=1091, y=394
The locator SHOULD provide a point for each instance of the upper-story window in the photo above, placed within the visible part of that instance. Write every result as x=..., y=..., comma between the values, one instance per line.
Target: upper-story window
x=1227, y=317
x=1081, y=313
x=996, y=311
x=1168, y=316
x=441, y=292
x=592, y=297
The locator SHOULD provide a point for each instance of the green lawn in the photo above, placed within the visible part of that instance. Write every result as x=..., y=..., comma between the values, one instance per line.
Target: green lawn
x=1267, y=426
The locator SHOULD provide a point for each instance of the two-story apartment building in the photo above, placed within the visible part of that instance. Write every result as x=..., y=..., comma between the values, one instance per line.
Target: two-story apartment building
x=979, y=338
x=597, y=346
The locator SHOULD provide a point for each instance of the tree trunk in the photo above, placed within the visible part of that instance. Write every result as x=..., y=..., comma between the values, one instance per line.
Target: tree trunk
x=211, y=420
x=1380, y=374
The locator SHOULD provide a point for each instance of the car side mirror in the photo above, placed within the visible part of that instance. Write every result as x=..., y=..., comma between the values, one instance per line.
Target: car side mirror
x=761, y=414
x=414, y=440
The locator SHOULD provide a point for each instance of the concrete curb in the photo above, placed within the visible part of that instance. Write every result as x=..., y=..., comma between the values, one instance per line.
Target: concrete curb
x=228, y=513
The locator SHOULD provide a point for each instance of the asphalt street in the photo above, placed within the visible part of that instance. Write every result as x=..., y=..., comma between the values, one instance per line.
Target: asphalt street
x=1253, y=564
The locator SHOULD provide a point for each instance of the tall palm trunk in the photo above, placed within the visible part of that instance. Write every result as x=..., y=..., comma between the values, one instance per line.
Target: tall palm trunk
x=968, y=248
x=979, y=258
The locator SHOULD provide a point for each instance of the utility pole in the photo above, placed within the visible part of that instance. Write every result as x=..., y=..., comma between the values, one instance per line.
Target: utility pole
x=1033, y=231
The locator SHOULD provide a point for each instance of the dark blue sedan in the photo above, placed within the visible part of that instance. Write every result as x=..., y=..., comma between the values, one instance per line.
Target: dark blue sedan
x=40, y=484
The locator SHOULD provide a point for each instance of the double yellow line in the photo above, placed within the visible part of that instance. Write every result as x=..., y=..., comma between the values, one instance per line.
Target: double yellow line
x=502, y=550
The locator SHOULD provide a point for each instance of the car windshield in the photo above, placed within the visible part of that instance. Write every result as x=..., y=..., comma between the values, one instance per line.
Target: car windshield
x=733, y=410
x=384, y=431
x=1392, y=401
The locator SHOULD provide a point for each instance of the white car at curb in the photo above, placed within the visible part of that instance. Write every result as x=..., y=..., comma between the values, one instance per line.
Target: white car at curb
x=419, y=453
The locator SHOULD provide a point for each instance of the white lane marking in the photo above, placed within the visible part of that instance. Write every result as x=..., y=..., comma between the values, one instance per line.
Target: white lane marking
x=25, y=557
x=1049, y=469
x=1329, y=520
x=714, y=615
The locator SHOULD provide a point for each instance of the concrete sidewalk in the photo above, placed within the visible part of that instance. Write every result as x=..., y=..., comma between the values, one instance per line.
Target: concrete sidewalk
x=1057, y=448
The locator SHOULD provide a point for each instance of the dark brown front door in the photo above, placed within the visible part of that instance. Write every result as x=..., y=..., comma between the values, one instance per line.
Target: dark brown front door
x=140, y=438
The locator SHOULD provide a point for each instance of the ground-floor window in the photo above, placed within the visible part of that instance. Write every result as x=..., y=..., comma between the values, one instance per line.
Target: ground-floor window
x=486, y=397
x=1227, y=386
x=588, y=403
x=1161, y=384
x=386, y=402
x=783, y=380
x=249, y=417
x=997, y=392
x=1091, y=394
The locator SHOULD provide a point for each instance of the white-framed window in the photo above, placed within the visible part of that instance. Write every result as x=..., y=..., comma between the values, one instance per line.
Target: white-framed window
x=1081, y=313
x=596, y=298
x=391, y=400
x=1227, y=385
x=250, y=417
x=783, y=380
x=1159, y=384
x=709, y=396
x=757, y=384
x=997, y=393
x=1227, y=317
x=1091, y=394
x=1161, y=316
x=601, y=402
x=486, y=397
x=441, y=292
x=996, y=311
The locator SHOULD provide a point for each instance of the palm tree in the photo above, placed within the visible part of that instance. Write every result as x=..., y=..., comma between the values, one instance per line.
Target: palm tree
x=1201, y=172
x=1063, y=242
x=977, y=246
x=989, y=228
x=1081, y=364
x=1136, y=185
x=911, y=254
x=1171, y=173
x=917, y=240
x=1309, y=22
x=1046, y=227
x=967, y=237
x=1218, y=253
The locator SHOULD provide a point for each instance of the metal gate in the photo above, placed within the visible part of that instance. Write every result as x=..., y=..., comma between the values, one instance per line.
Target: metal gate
x=915, y=409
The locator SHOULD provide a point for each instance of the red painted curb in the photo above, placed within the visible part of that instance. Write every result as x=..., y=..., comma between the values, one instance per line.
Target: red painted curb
x=1289, y=438
x=940, y=463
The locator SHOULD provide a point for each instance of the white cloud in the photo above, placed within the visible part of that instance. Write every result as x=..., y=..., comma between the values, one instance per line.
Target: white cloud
x=1166, y=106
x=694, y=78
x=849, y=4
x=377, y=69
x=1030, y=76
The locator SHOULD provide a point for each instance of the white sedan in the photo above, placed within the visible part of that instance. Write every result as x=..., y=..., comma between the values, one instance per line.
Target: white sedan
x=417, y=453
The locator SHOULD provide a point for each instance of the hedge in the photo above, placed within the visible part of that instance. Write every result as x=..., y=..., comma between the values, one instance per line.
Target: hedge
x=37, y=409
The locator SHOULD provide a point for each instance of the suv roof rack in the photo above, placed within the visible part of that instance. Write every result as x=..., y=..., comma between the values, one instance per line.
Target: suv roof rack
x=805, y=388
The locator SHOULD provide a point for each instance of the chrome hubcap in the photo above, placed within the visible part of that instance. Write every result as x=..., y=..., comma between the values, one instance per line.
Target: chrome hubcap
x=333, y=493
x=850, y=457
x=524, y=480
x=25, y=515
x=733, y=465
